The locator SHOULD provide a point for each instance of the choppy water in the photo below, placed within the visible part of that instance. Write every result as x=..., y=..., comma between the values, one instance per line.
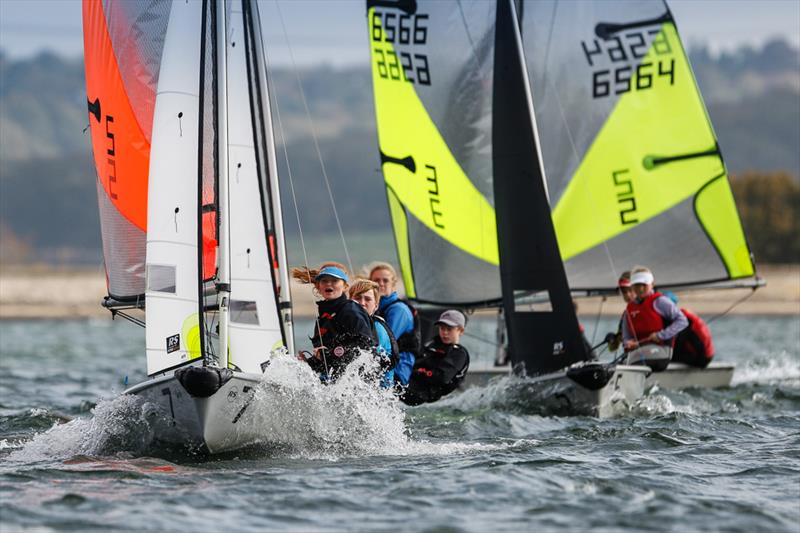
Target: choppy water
x=74, y=456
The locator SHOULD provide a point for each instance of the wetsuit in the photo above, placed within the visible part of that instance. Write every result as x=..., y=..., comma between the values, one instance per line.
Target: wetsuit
x=342, y=327
x=438, y=372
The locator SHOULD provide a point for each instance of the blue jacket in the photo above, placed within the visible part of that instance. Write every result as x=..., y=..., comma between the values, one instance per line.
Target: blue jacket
x=385, y=348
x=401, y=321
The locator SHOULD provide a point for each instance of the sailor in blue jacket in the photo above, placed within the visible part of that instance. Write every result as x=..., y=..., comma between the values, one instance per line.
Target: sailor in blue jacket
x=398, y=315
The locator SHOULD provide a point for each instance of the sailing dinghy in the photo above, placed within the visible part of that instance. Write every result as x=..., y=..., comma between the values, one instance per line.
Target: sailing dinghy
x=189, y=205
x=495, y=205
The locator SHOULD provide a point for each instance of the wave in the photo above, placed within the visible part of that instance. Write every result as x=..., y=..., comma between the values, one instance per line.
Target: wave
x=781, y=368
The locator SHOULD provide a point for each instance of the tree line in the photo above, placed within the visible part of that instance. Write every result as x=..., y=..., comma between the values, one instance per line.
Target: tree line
x=769, y=204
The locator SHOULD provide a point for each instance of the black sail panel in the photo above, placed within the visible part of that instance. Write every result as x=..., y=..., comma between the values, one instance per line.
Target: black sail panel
x=545, y=336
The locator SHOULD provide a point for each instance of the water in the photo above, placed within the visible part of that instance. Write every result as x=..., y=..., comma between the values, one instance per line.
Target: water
x=75, y=456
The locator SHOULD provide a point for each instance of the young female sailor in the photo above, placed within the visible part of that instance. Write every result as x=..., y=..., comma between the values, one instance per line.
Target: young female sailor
x=399, y=317
x=342, y=326
x=365, y=293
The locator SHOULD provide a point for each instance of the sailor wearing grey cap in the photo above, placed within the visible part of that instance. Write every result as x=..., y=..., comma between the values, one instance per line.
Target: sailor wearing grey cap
x=443, y=364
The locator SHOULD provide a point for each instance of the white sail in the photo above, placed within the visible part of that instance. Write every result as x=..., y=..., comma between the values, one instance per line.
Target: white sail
x=254, y=324
x=172, y=293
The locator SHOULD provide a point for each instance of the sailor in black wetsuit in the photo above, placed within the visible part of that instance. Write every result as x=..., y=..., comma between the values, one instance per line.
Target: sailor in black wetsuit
x=443, y=364
x=342, y=326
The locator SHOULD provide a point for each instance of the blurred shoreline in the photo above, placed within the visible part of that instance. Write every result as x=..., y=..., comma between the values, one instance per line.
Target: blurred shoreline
x=46, y=293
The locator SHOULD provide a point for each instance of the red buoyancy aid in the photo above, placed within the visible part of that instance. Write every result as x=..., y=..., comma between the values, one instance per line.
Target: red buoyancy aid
x=701, y=332
x=643, y=319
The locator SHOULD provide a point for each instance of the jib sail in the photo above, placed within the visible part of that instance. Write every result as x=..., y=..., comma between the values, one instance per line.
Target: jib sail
x=634, y=171
x=432, y=78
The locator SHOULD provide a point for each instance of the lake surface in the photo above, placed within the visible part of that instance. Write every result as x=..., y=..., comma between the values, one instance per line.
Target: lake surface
x=75, y=456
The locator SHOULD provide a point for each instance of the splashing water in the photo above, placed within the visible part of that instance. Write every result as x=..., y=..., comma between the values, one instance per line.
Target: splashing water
x=782, y=367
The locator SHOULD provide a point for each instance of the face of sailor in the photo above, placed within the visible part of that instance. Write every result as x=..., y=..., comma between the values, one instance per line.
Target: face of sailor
x=627, y=294
x=642, y=290
x=367, y=301
x=450, y=334
x=329, y=287
x=384, y=280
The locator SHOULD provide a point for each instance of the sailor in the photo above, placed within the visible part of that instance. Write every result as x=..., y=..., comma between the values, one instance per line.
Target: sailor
x=651, y=323
x=443, y=364
x=400, y=318
x=342, y=326
x=625, y=289
x=365, y=293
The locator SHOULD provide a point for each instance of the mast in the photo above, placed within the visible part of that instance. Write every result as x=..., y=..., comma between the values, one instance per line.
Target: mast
x=542, y=337
x=223, y=273
x=273, y=187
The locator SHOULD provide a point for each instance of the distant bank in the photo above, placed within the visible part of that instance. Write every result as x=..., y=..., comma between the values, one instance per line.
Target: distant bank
x=39, y=293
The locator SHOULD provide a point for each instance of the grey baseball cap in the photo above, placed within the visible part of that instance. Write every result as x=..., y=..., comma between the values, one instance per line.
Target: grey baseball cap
x=451, y=317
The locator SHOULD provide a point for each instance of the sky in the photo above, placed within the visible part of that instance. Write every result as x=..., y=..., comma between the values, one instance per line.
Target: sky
x=334, y=31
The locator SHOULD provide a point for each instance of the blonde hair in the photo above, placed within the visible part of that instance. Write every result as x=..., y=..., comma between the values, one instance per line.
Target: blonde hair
x=640, y=268
x=308, y=275
x=360, y=286
x=378, y=265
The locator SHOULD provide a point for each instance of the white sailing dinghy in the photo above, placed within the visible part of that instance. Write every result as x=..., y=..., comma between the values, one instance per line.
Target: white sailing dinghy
x=189, y=205
x=490, y=211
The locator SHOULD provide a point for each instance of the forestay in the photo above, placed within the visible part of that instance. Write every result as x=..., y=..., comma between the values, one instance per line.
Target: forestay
x=634, y=171
x=432, y=65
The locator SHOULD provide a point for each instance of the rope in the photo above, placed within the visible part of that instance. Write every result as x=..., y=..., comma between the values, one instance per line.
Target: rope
x=597, y=318
x=277, y=109
x=314, y=137
x=736, y=303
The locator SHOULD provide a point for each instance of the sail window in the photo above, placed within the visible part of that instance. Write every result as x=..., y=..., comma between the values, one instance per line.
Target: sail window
x=161, y=278
x=243, y=312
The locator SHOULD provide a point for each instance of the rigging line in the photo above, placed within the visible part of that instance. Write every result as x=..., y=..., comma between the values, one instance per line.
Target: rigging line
x=597, y=318
x=314, y=137
x=274, y=95
x=552, y=88
x=736, y=303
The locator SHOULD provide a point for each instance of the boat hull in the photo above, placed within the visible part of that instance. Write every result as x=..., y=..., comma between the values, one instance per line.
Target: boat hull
x=559, y=394
x=677, y=376
x=215, y=424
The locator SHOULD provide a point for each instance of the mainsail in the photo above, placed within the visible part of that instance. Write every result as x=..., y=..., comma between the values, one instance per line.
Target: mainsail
x=633, y=168
x=432, y=79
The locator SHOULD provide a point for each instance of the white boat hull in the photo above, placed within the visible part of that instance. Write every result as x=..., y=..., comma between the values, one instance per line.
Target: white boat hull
x=215, y=423
x=677, y=376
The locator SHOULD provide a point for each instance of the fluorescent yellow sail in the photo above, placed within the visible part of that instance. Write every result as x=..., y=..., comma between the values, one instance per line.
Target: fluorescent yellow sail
x=420, y=169
x=656, y=150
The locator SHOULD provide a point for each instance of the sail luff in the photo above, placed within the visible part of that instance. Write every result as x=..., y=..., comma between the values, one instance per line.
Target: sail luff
x=545, y=337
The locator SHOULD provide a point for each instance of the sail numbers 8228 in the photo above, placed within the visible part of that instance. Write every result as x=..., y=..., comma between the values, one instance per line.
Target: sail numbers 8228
x=402, y=29
x=628, y=48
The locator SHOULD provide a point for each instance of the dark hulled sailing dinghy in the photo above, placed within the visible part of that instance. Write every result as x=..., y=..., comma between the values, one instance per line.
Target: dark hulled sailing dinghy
x=633, y=173
x=189, y=205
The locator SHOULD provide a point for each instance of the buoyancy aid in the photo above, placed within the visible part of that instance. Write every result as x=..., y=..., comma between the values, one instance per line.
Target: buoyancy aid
x=394, y=356
x=643, y=319
x=697, y=340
